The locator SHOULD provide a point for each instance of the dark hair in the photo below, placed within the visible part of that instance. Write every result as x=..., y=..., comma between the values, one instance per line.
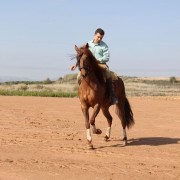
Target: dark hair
x=100, y=31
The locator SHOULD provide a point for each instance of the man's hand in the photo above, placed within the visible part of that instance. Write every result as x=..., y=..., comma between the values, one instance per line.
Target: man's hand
x=73, y=67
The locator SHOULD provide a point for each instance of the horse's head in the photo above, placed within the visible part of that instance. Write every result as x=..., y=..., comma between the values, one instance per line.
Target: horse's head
x=87, y=63
x=84, y=59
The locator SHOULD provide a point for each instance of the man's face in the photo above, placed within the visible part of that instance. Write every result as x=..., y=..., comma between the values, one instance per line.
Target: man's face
x=97, y=38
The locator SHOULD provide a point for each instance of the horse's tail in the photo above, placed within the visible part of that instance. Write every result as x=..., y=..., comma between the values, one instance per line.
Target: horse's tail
x=128, y=114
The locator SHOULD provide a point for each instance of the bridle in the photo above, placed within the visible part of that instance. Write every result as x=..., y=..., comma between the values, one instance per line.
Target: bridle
x=86, y=68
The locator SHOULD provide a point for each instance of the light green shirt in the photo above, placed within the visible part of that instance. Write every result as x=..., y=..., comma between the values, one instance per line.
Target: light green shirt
x=100, y=51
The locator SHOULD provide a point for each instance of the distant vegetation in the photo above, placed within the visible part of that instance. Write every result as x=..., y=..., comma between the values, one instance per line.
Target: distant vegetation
x=173, y=80
x=152, y=86
x=64, y=87
x=67, y=87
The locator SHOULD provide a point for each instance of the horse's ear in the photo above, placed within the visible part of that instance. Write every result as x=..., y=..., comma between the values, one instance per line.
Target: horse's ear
x=76, y=48
x=87, y=45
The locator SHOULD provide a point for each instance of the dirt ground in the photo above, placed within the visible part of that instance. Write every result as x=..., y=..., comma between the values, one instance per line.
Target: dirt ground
x=45, y=139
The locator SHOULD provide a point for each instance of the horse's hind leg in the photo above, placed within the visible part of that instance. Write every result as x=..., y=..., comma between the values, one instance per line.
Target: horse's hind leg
x=121, y=114
x=109, y=120
x=92, y=120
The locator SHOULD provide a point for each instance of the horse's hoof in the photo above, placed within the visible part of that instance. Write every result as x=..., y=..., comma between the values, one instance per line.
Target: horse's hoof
x=98, y=131
x=106, y=138
x=90, y=145
x=125, y=141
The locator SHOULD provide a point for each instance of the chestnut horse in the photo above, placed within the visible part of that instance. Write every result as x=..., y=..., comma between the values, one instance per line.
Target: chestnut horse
x=94, y=93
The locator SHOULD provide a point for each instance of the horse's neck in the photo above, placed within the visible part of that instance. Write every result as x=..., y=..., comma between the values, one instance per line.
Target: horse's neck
x=93, y=80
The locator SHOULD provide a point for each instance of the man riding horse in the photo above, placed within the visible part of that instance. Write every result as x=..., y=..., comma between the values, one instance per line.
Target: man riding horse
x=101, y=52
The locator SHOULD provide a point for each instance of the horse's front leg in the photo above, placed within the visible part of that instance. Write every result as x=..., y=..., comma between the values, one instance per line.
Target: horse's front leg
x=92, y=120
x=85, y=111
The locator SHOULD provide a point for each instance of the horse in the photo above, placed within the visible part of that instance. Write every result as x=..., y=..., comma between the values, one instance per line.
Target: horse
x=93, y=92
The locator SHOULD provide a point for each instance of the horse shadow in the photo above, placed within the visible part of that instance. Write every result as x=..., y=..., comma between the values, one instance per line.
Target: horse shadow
x=153, y=141
x=148, y=141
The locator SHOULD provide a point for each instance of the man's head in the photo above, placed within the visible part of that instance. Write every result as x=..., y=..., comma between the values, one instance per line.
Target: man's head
x=98, y=35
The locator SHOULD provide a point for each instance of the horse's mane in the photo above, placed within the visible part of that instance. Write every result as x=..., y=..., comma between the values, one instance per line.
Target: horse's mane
x=96, y=68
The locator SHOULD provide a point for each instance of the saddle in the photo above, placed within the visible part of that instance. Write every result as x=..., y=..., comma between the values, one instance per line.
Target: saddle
x=114, y=76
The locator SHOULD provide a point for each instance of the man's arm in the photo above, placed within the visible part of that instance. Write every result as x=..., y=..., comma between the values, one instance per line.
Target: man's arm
x=106, y=55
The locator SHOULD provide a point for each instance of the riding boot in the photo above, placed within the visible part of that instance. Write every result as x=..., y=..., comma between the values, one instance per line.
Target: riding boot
x=114, y=99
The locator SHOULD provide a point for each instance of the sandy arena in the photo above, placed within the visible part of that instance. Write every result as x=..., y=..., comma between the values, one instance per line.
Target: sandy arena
x=45, y=139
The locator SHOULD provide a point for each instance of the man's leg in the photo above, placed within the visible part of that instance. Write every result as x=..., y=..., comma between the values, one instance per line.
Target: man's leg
x=114, y=99
x=108, y=78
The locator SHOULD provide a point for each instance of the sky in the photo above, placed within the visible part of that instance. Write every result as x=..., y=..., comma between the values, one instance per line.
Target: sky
x=37, y=37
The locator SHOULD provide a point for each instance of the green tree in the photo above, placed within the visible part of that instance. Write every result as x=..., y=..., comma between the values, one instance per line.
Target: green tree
x=47, y=81
x=172, y=80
